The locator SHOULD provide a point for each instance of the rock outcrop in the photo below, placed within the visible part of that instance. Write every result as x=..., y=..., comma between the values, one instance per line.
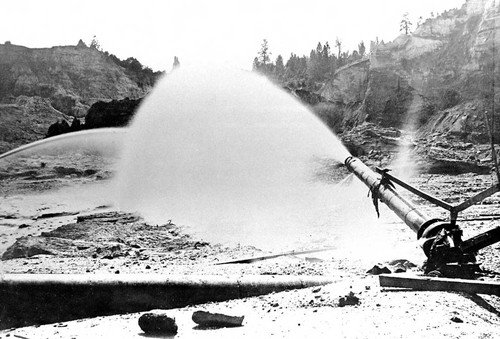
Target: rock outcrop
x=440, y=78
x=116, y=113
x=349, y=84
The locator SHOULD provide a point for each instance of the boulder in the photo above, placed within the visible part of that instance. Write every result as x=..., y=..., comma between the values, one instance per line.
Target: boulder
x=157, y=324
x=116, y=113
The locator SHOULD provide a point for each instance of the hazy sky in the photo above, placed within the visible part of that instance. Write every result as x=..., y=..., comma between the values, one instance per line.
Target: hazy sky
x=198, y=31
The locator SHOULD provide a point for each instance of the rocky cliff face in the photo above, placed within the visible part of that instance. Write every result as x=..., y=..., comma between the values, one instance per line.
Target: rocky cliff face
x=447, y=67
x=71, y=77
x=43, y=86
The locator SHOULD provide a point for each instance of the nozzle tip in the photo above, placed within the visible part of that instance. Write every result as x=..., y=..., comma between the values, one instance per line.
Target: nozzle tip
x=348, y=160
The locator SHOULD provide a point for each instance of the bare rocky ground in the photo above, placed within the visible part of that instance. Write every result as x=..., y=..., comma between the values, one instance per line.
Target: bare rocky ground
x=90, y=237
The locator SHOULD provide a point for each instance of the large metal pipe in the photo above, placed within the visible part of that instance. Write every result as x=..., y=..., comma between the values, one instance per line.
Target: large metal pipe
x=410, y=215
x=27, y=299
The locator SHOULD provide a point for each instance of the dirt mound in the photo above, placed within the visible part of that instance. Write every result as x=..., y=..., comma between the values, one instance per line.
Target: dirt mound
x=104, y=235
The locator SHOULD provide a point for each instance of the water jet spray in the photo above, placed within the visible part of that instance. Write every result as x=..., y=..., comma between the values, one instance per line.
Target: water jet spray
x=441, y=240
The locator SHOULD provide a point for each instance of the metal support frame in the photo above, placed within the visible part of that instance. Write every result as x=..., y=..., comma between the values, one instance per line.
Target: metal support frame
x=471, y=245
x=453, y=209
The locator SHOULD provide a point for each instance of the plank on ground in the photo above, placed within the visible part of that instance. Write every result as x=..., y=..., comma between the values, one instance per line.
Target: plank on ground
x=439, y=284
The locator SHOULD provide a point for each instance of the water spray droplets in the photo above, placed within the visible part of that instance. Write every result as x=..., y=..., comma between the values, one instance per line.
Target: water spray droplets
x=225, y=152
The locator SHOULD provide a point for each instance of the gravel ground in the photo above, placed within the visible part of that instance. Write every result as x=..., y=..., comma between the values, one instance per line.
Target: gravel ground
x=68, y=235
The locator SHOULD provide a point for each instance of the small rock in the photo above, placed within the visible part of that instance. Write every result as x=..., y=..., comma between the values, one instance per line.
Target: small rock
x=376, y=270
x=207, y=319
x=89, y=172
x=349, y=299
x=55, y=215
x=316, y=290
x=456, y=320
x=435, y=273
x=153, y=323
x=399, y=268
x=405, y=263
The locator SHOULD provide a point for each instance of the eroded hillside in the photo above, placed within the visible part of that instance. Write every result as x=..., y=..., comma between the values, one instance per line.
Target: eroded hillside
x=39, y=86
x=448, y=66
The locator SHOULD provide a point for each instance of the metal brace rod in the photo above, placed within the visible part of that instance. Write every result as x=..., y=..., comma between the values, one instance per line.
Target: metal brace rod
x=482, y=240
x=477, y=198
x=454, y=210
x=493, y=151
x=416, y=191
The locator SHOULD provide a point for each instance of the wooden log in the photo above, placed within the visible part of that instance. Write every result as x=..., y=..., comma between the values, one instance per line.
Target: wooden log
x=439, y=284
x=207, y=319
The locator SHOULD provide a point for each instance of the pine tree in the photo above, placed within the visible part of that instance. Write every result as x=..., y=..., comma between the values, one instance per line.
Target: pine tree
x=279, y=69
x=262, y=62
x=264, y=54
x=176, y=63
x=256, y=64
x=361, y=49
x=405, y=24
x=95, y=44
x=338, y=44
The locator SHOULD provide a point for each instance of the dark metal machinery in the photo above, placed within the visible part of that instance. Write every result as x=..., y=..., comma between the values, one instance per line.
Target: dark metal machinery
x=441, y=240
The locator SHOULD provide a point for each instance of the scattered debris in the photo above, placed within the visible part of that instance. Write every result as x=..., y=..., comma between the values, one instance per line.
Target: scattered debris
x=349, y=300
x=402, y=262
x=64, y=171
x=207, y=319
x=312, y=259
x=393, y=266
x=158, y=324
